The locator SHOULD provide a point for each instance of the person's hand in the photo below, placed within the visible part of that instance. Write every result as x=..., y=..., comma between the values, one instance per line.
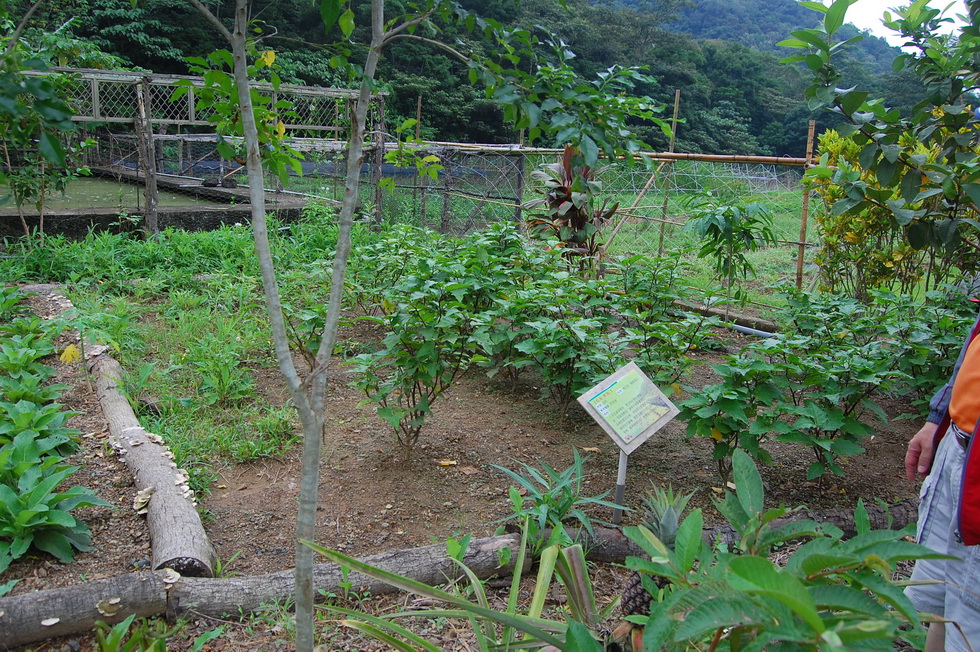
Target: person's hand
x=918, y=458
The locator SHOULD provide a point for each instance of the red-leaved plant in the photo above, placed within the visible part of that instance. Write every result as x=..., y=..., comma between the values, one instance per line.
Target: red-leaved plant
x=569, y=192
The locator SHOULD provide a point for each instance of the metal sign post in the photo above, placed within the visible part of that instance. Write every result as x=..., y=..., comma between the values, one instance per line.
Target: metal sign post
x=630, y=408
x=617, y=515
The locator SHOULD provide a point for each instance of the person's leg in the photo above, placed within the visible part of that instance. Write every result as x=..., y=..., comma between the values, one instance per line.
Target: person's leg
x=936, y=638
x=962, y=595
x=937, y=522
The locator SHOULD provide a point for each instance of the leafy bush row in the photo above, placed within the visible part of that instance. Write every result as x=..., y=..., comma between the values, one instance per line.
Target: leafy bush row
x=34, y=441
x=815, y=383
x=495, y=301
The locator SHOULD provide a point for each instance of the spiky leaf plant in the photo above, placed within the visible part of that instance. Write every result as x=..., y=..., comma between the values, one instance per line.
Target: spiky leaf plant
x=662, y=511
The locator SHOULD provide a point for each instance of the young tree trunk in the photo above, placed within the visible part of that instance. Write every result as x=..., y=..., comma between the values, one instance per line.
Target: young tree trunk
x=307, y=395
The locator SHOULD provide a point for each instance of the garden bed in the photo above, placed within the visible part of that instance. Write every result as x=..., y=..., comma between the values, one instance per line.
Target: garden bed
x=373, y=499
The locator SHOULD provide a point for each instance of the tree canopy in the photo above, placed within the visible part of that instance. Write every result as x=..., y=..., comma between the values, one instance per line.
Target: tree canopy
x=735, y=97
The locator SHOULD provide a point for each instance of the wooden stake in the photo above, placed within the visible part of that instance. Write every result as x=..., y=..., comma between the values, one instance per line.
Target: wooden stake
x=144, y=131
x=673, y=138
x=627, y=213
x=806, y=208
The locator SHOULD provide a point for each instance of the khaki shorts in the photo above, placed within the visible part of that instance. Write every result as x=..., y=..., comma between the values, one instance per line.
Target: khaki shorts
x=958, y=597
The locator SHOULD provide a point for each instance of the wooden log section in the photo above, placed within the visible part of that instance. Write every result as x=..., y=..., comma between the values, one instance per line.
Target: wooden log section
x=176, y=533
x=76, y=608
x=32, y=617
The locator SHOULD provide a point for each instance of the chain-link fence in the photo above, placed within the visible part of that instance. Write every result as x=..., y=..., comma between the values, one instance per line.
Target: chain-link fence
x=477, y=185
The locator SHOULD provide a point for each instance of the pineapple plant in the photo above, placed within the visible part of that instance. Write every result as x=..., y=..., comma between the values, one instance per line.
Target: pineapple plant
x=662, y=510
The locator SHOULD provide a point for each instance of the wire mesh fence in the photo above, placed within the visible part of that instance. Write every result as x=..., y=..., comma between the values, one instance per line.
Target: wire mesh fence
x=113, y=97
x=482, y=185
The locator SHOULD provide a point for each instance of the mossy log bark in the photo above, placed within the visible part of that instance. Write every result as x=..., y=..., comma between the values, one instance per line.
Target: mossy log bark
x=176, y=533
x=77, y=608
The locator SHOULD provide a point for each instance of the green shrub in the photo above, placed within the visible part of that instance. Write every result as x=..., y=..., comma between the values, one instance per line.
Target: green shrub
x=545, y=498
x=40, y=421
x=831, y=593
x=813, y=384
x=34, y=512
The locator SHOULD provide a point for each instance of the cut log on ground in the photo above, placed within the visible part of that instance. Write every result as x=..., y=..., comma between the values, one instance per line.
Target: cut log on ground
x=176, y=533
x=76, y=608
x=33, y=617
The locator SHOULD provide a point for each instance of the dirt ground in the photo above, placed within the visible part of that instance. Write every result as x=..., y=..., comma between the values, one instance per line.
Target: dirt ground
x=373, y=498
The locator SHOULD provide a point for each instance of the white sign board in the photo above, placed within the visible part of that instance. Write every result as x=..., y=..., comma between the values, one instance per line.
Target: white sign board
x=629, y=407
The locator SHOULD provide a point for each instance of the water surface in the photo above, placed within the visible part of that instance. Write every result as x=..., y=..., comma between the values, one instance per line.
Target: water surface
x=100, y=192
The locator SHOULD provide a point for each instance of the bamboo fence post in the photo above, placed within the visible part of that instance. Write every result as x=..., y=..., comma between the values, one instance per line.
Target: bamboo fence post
x=670, y=168
x=144, y=131
x=806, y=208
x=519, y=191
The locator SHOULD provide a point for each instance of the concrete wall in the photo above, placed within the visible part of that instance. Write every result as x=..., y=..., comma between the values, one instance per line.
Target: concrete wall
x=231, y=207
x=76, y=224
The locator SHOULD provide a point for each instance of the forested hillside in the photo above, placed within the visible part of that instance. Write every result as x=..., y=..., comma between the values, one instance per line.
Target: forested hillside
x=735, y=95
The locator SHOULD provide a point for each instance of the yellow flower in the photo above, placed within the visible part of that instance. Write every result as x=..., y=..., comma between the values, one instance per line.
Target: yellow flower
x=71, y=354
x=268, y=57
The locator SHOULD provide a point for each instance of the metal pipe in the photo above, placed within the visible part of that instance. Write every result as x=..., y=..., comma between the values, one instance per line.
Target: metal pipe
x=748, y=331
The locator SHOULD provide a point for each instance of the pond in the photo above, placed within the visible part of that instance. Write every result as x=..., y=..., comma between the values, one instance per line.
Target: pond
x=100, y=192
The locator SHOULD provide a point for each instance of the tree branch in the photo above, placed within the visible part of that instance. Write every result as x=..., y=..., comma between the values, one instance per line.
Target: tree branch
x=439, y=44
x=20, y=28
x=211, y=18
x=408, y=23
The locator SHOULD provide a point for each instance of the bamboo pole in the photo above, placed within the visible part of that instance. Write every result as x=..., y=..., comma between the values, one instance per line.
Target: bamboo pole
x=646, y=188
x=806, y=209
x=673, y=139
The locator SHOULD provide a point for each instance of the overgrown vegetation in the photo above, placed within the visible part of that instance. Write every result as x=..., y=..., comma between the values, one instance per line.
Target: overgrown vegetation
x=192, y=339
x=35, y=509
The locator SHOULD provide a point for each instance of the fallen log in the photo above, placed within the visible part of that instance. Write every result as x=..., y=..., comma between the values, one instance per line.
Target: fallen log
x=77, y=608
x=32, y=617
x=177, y=535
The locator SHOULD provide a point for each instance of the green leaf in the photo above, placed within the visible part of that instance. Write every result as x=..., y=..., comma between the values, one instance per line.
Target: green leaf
x=748, y=483
x=838, y=597
x=835, y=15
x=886, y=173
x=812, y=37
x=51, y=149
x=346, y=22
x=818, y=562
x=329, y=13
x=973, y=192
x=687, y=543
x=579, y=639
x=759, y=575
x=714, y=614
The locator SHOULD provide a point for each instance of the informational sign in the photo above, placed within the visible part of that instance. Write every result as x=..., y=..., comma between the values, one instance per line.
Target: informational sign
x=629, y=407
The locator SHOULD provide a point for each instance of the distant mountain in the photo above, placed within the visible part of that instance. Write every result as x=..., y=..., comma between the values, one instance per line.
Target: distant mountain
x=760, y=24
